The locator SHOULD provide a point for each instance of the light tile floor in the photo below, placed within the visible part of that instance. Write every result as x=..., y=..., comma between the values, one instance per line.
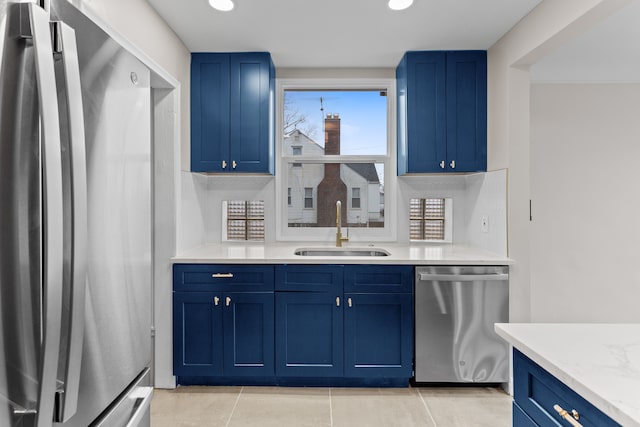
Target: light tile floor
x=353, y=407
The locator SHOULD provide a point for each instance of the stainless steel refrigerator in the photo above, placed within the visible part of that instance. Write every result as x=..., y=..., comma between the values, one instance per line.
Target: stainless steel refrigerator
x=75, y=222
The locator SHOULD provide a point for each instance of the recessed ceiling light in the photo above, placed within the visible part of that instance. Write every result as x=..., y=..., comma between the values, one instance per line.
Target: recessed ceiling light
x=223, y=5
x=400, y=4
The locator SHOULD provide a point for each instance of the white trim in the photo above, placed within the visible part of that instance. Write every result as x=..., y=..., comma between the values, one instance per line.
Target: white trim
x=389, y=231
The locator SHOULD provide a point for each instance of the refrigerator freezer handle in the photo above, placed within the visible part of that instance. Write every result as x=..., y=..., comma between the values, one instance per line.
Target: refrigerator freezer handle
x=144, y=395
x=36, y=21
x=66, y=42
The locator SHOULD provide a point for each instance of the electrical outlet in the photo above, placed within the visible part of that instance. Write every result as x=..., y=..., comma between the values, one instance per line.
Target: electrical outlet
x=484, y=224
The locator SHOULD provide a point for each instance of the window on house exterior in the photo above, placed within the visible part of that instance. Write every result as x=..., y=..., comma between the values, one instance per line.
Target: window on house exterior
x=428, y=219
x=296, y=151
x=342, y=135
x=355, y=198
x=244, y=219
x=308, y=198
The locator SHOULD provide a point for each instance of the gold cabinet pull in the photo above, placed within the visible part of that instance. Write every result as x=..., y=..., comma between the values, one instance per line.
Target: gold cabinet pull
x=442, y=164
x=222, y=275
x=224, y=164
x=233, y=164
x=571, y=417
x=216, y=300
x=337, y=301
x=349, y=302
x=228, y=301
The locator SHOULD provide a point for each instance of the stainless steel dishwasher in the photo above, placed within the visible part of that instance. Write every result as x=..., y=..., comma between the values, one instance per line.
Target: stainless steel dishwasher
x=455, y=310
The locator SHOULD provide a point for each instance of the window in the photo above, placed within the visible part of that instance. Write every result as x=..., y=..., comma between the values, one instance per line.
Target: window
x=244, y=219
x=430, y=219
x=334, y=146
x=308, y=198
x=355, y=198
x=296, y=151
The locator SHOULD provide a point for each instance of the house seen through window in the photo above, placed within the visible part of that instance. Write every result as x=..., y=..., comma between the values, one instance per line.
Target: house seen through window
x=335, y=155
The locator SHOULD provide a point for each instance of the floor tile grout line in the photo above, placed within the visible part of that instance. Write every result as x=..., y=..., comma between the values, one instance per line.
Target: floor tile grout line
x=330, y=407
x=424, y=403
x=234, y=406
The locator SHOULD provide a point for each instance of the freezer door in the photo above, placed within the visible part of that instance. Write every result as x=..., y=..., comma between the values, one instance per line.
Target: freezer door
x=455, y=312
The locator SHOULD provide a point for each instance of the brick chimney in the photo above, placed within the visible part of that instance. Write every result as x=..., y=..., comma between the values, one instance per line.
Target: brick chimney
x=331, y=188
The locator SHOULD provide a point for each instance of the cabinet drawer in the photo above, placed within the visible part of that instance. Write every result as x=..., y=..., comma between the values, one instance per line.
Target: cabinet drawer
x=309, y=278
x=378, y=279
x=520, y=418
x=230, y=277
x=536, y=391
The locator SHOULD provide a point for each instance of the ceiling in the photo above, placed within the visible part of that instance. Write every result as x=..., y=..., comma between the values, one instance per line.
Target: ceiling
x=341, y=33
x=608, y=52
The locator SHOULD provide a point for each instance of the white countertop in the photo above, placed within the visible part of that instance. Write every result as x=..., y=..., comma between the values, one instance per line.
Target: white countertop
x=600, y=362
x=283, y=253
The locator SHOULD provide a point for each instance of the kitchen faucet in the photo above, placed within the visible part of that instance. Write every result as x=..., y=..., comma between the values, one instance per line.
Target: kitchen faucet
x=339, y=237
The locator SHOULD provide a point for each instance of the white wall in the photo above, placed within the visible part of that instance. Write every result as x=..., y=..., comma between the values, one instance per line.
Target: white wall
x=546, y=28
x=585, y=151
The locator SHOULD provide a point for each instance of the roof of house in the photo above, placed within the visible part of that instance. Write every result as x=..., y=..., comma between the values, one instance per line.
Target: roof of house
x=366, y=170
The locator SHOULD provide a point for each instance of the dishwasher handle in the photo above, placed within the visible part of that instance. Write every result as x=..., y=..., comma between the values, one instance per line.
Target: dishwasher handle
x=463, y=277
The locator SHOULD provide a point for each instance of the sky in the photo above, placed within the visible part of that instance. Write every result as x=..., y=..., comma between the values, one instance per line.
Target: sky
x=363, y=118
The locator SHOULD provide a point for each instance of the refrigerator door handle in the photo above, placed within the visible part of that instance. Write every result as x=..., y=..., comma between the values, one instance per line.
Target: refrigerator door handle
x=65, y=42
x=36, y=23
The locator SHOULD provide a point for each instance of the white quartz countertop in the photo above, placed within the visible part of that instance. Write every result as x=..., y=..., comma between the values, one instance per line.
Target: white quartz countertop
x=600, y=362
x=283, y=253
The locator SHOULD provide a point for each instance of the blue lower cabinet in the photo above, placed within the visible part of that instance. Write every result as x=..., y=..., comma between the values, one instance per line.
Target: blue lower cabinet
x=219, y=334
x=308, y=335
x=378, y=335
x=536, y=392
x=248, y=334
x=520, y=418
x=197, y=334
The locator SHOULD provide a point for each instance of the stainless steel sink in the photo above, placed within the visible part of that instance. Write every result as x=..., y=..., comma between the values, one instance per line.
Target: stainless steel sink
x=366, y=252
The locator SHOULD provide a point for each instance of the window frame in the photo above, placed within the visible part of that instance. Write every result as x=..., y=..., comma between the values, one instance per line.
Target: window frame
x=386, y=233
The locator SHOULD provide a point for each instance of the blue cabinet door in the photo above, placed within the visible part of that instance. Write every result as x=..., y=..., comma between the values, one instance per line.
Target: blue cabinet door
x=209, y=112
x=308, y=334
x=197, y=334
x=423, y=141
x=251, y=105
x=232, y=112
x=248, y=334
x=442, y=112
x=467, y=111
x=378, y=335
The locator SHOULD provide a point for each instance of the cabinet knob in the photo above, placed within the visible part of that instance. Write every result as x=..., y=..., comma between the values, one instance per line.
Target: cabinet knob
x=337, y=301
x=233, y=164
x=216, y=301
x=228, y=301
x=452, y=164
x=224, y=164
x=442, y=164
x=349, y=302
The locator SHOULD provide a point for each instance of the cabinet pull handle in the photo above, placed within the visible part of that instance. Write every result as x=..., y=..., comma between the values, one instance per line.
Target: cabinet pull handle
x=216, y=301
x=452, y=164
x=228, y=301
x=349, y=302
x=233, y=164
x=571, y=417
x=442, y=164
x=222, y=275
x=224, y=164
x=337, y=301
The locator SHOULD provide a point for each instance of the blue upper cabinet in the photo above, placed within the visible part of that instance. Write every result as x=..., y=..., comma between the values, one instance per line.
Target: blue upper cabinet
x=232, y=112
x=442, y=112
